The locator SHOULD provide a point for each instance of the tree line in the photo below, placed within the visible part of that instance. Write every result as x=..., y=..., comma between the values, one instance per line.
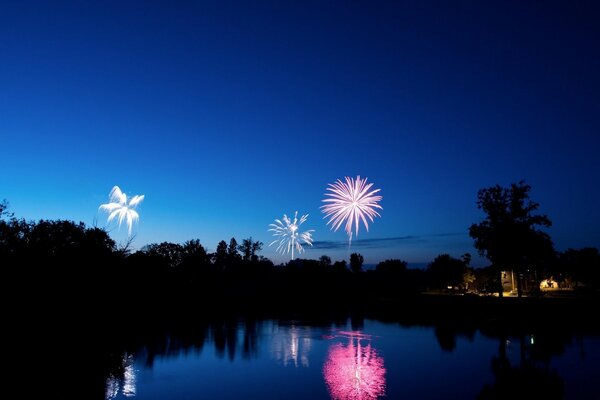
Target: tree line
x=59, y=258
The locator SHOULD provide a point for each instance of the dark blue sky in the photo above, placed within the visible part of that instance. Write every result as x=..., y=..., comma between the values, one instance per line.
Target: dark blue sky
x=226, y=115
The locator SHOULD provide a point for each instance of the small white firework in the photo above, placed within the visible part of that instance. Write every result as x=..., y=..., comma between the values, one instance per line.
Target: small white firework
x=288, y=237
x=120, y=206
x=351, y=202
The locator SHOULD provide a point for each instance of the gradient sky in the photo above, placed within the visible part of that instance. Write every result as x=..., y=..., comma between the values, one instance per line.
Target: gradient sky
x=226, y=115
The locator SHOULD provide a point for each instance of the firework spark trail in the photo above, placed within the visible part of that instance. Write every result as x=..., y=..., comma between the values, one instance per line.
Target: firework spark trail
x=288, y=236
x=119, y=206
x=351, y=202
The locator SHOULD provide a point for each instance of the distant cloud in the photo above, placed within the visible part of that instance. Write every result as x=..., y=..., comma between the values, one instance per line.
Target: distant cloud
x=328, y=244
x=379, y=242
x=447, y=234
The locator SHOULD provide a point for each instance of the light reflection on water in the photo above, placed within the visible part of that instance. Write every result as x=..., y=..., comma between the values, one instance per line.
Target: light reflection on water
x=292, y=346
x=126, y=385
x=354, y=370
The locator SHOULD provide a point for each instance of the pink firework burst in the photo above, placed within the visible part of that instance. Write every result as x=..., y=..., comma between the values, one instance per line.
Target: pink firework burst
x=351, y=202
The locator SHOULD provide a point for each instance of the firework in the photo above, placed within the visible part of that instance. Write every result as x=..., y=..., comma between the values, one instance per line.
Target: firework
x=350, y=202
x=288, y=237
x=119, y=206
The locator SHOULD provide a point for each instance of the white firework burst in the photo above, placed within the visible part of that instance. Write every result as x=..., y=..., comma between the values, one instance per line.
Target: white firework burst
x=288, y=237
x=119, y=206
x=351, y=202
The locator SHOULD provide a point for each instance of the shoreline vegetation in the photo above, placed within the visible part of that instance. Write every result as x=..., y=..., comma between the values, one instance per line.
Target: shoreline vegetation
x=74, y=286
x=64, y=265
x=62, y=259
x=101, y=307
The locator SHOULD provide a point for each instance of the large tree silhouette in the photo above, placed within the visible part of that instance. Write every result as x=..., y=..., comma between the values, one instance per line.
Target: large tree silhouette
x=509, y=236
x=446, y=271
x=356, y=262
x=581, y=266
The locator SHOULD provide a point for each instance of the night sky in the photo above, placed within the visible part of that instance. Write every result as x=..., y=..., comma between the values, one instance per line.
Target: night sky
x=226, y=115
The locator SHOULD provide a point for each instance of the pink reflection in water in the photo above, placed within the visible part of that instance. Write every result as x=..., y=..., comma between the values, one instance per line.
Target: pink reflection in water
x=354, y=371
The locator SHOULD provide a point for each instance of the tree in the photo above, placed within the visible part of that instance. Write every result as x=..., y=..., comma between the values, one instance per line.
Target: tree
x=194, y=254
x=356, y=262
x=468, y=273
x=325, y=261
x=13, y=235
x=509, y=236
x=170, y=254
x=232, y=252
x=391, y=266
x=96, y=242
x=249, y=248
x=194, y=262
x=3, y=208
x=256, y=247
x=446, y=271
x=220, y=256
x=581, y=266
x=339, y=266
x=468, y=278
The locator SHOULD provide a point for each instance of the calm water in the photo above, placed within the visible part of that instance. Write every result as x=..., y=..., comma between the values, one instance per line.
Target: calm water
x=372, y=359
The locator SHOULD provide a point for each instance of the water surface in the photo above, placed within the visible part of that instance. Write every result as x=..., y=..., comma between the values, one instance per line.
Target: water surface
x=368, y=359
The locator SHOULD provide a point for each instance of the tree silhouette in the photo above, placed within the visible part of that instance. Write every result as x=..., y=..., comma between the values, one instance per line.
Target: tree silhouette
x=509, y=236
x=3, y=208
x=194, y=259
x=339, y=266
x=170, y=254
x=13, y=235
x=194, y=252
x=220, y=256
x=233, y=257
x=249, y=248
x=325, y=261
x=446, y=271
x=391, y=266
x=391, y=278
x=582, y=266
x=356, y=262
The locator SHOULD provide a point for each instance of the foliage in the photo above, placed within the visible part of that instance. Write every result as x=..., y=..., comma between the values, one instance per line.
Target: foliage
x=220, y=256
x=249, y=248
x=232, y=251
x=168, y=253
x=581, y=266
x=193, y=253
x=391, y=266
x=446, y=271
x=509, y=235
x=356, y=262
x=3, y=208
x=325, y=261
x=66, y=259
